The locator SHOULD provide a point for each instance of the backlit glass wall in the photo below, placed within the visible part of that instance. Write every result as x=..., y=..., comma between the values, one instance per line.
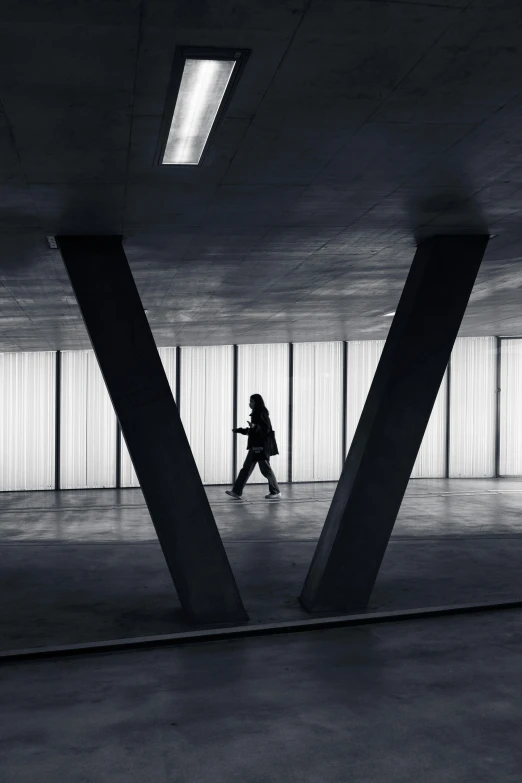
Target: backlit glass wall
x=263, y=369
x=27, y=421
x=362, y=360
x=128, y=477
x=511, y=408
x=473, y=408
x=431, y=459
x=88, y=424
x=206, y=409
x=317, y=403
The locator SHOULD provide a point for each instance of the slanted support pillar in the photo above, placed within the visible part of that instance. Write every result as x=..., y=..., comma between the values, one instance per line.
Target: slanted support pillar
x=390, y=431
x=130, y=364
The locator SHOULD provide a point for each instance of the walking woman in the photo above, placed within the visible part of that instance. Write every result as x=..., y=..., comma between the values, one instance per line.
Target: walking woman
x=261, y=446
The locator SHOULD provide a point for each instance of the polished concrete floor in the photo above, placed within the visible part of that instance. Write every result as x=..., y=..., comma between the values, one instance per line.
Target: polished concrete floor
x=430, y=701
x=80, y=566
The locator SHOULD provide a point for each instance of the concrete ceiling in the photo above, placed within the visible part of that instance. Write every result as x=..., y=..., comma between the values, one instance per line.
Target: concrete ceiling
x=357, y=127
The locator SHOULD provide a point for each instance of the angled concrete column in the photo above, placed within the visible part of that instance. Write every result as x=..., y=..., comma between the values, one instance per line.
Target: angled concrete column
x=390, y=431
x=149, y=419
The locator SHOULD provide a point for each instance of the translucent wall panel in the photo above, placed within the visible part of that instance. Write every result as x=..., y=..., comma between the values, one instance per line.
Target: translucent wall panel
x=206, y=409
x=363, y=358
x=128, y=475
x=27, y=420
x=511, y=408
x=431, y=459
x=472, y=408
x=263, y=369
x=317, y=411
x=88, y=425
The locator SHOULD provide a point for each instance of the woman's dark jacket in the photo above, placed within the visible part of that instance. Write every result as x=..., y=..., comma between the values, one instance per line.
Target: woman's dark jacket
x=260, y=434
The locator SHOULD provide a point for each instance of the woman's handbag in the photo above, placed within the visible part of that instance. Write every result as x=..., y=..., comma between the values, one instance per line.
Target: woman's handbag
x=273, y=450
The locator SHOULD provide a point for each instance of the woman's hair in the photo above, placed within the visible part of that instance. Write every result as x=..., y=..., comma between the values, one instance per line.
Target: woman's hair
x=259, y=403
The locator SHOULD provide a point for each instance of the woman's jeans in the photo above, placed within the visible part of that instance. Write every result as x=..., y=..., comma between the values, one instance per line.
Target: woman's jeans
x=248, y=467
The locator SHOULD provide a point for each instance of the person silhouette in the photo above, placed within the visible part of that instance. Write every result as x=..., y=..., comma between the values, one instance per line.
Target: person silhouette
x=261, y=445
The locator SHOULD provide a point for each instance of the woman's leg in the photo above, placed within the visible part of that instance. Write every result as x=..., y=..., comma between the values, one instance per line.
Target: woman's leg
x=268, y=473
x=244, y=474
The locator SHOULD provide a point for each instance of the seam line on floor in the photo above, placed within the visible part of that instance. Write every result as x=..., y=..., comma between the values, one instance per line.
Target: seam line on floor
x=244, y=631
x=403, y=539
x=114, y=506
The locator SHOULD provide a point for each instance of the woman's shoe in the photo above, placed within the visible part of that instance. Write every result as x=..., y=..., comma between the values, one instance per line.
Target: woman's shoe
x=275, y=496
x=233, y=494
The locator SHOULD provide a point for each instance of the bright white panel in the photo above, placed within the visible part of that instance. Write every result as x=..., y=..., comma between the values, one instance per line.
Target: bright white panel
x=362, y=360
x=263, y=369
x=88, y=425
x=472, y=408
x=317, y=426
x=431, y=459
x=128, y=477
x=27, y=420
x=201, y=91
x=206, y=409
x=511, y=408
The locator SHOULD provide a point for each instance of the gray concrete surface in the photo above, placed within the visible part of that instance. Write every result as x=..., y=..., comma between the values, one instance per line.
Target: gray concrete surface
x=81, y=566
x=421, y=702
x=355, y=128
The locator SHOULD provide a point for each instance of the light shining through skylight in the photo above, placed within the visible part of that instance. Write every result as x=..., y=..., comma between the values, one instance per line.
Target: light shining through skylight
x=201, y=91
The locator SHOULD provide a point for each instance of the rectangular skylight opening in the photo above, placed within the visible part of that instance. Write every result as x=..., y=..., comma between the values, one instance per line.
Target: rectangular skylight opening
x=202, y=89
